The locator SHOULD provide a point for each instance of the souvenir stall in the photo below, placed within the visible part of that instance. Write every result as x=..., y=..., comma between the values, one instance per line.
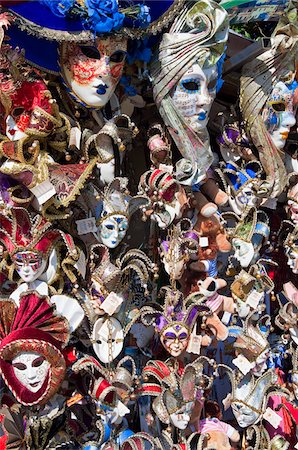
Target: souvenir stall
x=148, y=225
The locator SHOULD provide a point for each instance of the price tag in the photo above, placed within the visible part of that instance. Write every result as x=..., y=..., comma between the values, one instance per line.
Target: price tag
x=111, y=303
x=122, y=409
x=272, y=417
x=43, y=191
x=166, y=168
x=296, y=446
x=204, y=241
x=243, y=364
x=85, y=226
x=194, y=343
x=227, y=401
x=254, y=298
x=80, y=265
x=75, y=137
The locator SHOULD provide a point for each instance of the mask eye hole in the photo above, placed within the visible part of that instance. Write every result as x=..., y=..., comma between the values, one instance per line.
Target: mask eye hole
x=118, y=56
x=20, y=366
x=192, y=86
x=212, y=84
x=38, y=361
x=278, y=107
x=110, y=227
x=17, y=112
x=90, y=52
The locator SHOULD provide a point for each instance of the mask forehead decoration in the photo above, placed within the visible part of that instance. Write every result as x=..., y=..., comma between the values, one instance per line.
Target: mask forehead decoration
x=32, y=339
x=190, y=80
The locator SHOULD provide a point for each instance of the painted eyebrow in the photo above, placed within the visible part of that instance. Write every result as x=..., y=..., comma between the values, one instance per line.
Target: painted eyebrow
x=171, y=335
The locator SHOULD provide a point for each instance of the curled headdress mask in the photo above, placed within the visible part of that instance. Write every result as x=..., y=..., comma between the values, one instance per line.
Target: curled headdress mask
x=258, y=77
x=198, y=34
x=33, y=327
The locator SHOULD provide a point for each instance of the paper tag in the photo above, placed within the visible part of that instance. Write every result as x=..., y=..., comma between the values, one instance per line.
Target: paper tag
x=194, y=343
x=122, y=409
x=85, y=226
x=204, y=241
x=227, y=401
x=272, y=417
x=111, y=303
x=226, y=317
x=243, y=364
x=43, y=191
x=75, y=137
x=166, y=168
x=254, y=298
x=80, y=265
x=296, y=446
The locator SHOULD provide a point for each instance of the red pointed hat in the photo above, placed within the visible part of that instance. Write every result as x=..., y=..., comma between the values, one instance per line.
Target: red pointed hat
x=33, y=327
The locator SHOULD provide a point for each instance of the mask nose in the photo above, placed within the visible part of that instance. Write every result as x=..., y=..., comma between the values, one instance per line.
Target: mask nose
x=105, y=70
x=31, y=373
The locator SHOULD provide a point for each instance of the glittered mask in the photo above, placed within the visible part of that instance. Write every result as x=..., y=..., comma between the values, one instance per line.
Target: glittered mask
x=29, y=265
x=31, y=370
x=93, y=71
x=279, y=112
x=194, y=95
x=175, y=339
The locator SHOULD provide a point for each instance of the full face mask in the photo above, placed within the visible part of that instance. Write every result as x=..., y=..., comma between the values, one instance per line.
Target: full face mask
x=244, y=415
x=30, y=369
x=175, y=339
x=244, y=252
x=93, y=71
x=292, y=258
x=181, y=418
x=113, y=230
x=194, y=95
x=279, y=112
x=29, y=265
x=108, y=339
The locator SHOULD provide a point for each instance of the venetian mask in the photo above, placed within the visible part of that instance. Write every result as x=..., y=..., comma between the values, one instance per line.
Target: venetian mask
x=175, y=339
x=113, y=229
x=246, y=197
x=93, y=71
x=31, y=370
x=293, y=211
x=243, y=252
x=279, y=113
x=181, y=418
x=194, y=95
x=244, y=415
x=107, y=338
x=295, y=383
x=29, y=265
x=261, y=364
x=292, y=255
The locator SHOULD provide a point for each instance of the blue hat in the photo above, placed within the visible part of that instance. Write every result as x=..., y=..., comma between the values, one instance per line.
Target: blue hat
x=40, y=26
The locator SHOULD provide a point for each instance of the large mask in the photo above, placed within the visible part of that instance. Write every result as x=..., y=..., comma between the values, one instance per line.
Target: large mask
x=279, y=112
x=194, y=95
x=31, y=370
x=29, y=265
x=93, y=71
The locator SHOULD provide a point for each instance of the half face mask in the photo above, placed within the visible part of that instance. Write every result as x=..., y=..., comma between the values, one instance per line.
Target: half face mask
x=93, y=71
x=279, y=112
x=194, y=95
x=31, y=370
x=29, y=265
x=244, y=252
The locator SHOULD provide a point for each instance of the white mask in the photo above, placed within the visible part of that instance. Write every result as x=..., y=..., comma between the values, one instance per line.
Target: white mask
x=12, y=131
x=181, y=418
x=244, y=252
x=279, y=114
x=293, y=211
x=93, y=72
x=295, y=383
x=194, y=95
x=292, y=256
x=29, y=265
x=245, y=198
x=113, y=230
x=31, y=370
x=108, y=338
x=261, y=364
x=244, y=415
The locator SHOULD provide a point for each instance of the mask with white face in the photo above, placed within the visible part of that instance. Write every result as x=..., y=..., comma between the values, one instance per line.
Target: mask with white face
x=292, y=256
x=13, y=132
x=113, y=229
x=29, y=265
x=246, y=197
x=31, y=370
x=93, y=71
x=243, y=252
x=194, y=95
x=181, y=418
x=279, y=112
x=108, y=338
x=244, y=415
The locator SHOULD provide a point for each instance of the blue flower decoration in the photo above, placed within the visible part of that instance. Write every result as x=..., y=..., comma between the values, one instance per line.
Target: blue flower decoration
x=103, y=15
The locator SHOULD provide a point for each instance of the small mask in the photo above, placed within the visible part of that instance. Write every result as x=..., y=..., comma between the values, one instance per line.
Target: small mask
x=279, y=113
x=108, y=339
x=194, y=95
x=113, y=230
x=244, y=252
x=93, y=72
x=175, y=339
x=293, y=211
x=244, y=415
x=181, y=418
x=31, y=370
x=295, y=384
x=245, y=198
x=29, y=265
x=292, y=256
